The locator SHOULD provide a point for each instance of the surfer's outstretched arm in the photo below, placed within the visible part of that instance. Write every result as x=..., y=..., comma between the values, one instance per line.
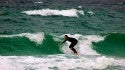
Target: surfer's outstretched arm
x=63, y=41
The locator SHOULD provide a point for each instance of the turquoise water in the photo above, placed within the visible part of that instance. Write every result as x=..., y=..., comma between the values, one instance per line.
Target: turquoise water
x=111, y=45
x=23, y=46
x=31, y=33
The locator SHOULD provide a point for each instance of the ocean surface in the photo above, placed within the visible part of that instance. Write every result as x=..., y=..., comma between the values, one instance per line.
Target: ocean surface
x=31, y=32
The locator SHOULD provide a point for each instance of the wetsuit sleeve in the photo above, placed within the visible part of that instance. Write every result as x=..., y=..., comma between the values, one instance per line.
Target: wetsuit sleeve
x=63, y=41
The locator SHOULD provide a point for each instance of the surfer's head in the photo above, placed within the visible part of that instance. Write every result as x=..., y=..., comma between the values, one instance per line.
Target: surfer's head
x=65, y=36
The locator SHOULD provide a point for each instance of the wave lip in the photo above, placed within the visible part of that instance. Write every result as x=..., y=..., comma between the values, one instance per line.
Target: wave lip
x=36, y=37
x=50, y=12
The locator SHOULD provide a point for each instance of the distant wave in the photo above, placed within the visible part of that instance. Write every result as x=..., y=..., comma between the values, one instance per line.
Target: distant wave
x=38, y=2
x=50, y=12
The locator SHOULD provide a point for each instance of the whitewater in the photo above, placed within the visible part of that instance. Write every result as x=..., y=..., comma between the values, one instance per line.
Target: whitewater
x=60, y=62
x=51, y=12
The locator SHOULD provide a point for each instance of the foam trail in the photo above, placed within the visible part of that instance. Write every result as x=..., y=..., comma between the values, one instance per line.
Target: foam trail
x=36, y=37
x=84, y=45
x=49, y=12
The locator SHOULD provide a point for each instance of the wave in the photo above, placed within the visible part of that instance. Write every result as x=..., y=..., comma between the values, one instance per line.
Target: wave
x=51, y=12
x=28, y=44
x=113, y=44
x=40, y=43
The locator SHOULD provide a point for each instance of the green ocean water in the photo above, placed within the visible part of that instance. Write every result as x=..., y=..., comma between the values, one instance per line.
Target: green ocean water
x=31, y=32
x=23, y=46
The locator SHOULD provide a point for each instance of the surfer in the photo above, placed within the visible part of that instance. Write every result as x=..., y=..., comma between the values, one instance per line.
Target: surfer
x=73, y=43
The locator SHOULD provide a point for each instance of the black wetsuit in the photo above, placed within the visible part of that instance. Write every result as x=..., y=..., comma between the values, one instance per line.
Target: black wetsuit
x=73, y=42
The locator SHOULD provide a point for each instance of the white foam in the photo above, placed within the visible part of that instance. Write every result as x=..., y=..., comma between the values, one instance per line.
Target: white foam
x=61, y=62
x=84, y=45
x=79, y=6
x=91, y=12
x=38, y=2
x=6, y=64
x=38, y=38
x=99, y=63
x=49, y=12
x=35, y=37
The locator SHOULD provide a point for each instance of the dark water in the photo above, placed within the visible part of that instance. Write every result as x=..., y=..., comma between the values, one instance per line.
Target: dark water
x=108, y=17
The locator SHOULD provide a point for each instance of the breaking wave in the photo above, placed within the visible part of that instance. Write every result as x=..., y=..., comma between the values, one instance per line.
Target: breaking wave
x=51, y=12
x=40, y=43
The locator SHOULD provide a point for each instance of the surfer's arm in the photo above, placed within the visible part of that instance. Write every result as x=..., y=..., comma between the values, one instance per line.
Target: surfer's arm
x=63, y=41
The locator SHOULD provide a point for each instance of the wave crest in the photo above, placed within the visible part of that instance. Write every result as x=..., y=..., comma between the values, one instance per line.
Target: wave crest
x=50, y=12
x=35, y=37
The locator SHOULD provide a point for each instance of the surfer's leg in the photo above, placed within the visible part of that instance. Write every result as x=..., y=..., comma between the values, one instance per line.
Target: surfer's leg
x=71, y=47
x=74, y=50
